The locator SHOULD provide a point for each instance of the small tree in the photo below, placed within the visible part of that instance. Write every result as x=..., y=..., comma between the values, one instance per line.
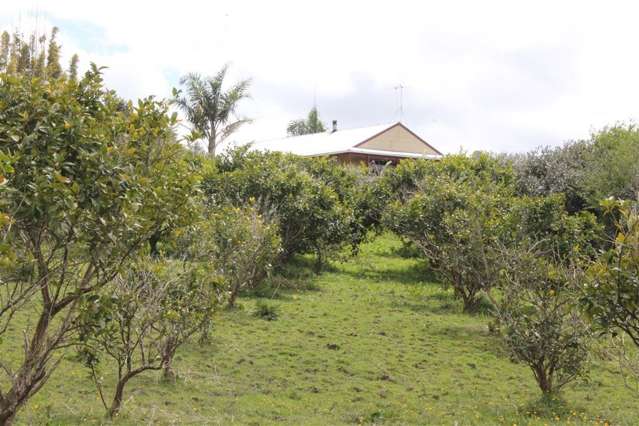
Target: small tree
x=54, y=69
x=73, y=67
x=140, y=321
x=454, y=216
x=245, y=248
x=5, y=49
x=613, y=169
x=312, y=124
x=542, y=326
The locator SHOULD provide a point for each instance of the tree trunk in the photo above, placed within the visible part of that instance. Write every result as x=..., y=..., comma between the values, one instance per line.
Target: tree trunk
x=7, y=414
x=235, y=290
x=168, y=374
x=471, y=302
x=470, y=306
x=544, y=382
x=117, y=398
x=212, y=144
x=32, y=373
x=319, y=261
x=205, y=337
x=153, y=245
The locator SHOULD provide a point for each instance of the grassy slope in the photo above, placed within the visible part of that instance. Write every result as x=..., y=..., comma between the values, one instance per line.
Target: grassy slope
x=372, y=343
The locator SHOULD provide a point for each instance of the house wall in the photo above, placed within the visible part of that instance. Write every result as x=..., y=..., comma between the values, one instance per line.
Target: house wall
x=398, y=139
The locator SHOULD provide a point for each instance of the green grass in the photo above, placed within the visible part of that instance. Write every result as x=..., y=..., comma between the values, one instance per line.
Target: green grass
x=369, y=341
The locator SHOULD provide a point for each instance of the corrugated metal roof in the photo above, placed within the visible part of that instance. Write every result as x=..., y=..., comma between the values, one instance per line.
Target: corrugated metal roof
x=338, y=142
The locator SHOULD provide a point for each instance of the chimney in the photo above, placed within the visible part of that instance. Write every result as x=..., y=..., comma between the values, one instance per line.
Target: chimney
x=334, y=126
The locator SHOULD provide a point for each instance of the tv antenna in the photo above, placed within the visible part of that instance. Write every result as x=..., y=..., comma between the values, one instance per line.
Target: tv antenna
x=400, y=89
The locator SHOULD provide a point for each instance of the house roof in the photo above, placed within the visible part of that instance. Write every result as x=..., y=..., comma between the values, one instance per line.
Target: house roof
x=338, y=142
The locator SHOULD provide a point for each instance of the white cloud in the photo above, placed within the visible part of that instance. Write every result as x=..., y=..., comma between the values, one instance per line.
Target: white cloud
x=496, y=75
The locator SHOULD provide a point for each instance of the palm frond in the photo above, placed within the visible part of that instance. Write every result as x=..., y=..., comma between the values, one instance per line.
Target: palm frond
x=229, y=129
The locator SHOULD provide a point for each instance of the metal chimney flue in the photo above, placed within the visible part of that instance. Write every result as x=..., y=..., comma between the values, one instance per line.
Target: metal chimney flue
x=334, y=126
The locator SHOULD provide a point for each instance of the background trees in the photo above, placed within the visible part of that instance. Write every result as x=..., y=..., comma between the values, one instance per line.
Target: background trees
x=585, y=171
x=312, y=124
x=209, y=108
x=33, y=55
x=614, y=169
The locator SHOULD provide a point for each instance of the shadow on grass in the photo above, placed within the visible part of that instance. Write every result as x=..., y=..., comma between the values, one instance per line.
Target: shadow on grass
x=413, y=275
x=479, y=338
x=437, y=303
x=303, y=265
x=296, y=276
x=407, y=250
x=278, y=287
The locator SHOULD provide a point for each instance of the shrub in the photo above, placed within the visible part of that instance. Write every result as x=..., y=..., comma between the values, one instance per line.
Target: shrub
x=266, y=311
x=541, y=324
x=560, y=170
x=245, y=247
x=585, y=171
x=310, y=198
x=140, y=321
x=545, y=223
x=610, y=294
x=454, y=217
x=613, y=170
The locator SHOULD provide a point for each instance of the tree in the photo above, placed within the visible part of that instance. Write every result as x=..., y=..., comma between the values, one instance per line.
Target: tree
x=54, y=70
x=245, y=248
x=39, y=57
x=310, y=199
x=140, y=320
x=560, y=170
x=610, y=296
x=585, y=171
x=613, y=170
x=454, y=217
x=542, y=326
x=5, y=49
x=80, y=203
x=73, y=67
x=14, y=54
x=24, y=58
x=31, y=55
x=312, y=124
x=209, y=108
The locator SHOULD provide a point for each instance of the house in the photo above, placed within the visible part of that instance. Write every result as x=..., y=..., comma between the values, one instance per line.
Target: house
x=376, y=144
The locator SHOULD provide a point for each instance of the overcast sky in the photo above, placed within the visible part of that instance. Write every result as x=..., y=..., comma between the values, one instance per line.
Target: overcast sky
x=498, y=76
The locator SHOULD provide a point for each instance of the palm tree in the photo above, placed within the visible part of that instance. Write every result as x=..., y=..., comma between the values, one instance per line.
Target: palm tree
x=211, y=110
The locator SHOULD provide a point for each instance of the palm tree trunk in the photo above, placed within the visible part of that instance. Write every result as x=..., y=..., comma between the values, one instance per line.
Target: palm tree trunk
x=212, y=143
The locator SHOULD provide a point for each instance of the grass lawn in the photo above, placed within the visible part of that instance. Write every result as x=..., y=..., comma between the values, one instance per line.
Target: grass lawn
x=370, y=341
